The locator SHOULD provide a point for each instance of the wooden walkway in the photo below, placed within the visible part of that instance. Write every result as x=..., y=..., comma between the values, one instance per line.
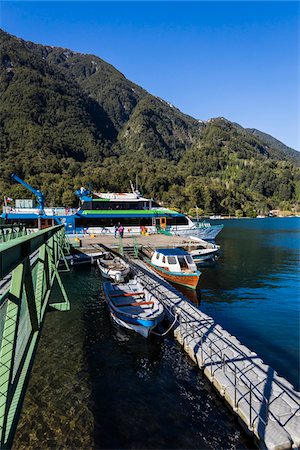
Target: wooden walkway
x=267, y=405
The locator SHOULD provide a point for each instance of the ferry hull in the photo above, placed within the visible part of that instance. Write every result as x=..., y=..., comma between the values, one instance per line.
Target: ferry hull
x=191, y=281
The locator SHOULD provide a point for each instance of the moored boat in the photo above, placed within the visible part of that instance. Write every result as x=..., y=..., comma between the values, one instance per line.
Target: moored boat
x=203, y=230
x=133, y=307
x=113, y=266
x=175, y=265
x=201, y=250
x=100, y=213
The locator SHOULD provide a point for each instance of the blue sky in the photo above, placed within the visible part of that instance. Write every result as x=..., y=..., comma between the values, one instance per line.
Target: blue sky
x=235, y=59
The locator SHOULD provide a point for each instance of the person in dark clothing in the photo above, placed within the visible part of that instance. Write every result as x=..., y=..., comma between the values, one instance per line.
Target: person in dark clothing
x=116, y=229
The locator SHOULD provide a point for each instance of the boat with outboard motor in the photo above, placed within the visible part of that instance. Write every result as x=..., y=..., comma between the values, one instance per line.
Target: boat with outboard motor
x=175, y=265
x=201, y=250
x=133, y=307
x=113, y=266
x=201, y=230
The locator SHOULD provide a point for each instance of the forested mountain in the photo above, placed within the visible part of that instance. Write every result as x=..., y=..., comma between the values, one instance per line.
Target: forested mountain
x=275, y=144
x=68, y=119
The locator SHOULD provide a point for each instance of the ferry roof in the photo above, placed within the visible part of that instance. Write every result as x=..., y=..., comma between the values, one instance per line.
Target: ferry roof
x=172, y=251
x=125, y=196
x=130, y=213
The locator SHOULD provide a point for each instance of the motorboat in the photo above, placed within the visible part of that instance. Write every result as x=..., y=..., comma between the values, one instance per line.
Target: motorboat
x=175, y=265
x=202, y=230
x=113, y=266
x=133, y=307
x=201, y=250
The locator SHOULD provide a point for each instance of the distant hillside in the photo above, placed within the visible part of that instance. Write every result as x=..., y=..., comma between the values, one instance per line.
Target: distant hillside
x=275, y=144
x=68, y=119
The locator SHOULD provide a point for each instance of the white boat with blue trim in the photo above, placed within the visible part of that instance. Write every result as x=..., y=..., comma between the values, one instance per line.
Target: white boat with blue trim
x=133, y=307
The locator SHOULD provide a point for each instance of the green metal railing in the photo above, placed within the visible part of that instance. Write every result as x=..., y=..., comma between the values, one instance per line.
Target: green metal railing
x=136, y=247
x=121, y=247
x=8, y=232
x=165, y=231
x=28, y=270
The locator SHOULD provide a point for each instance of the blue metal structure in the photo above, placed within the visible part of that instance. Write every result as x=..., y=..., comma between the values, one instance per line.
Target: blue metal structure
x=85, y=195
x=39, y=195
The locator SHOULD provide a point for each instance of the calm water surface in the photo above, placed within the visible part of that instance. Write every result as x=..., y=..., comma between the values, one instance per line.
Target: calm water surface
x=95, y=385
x=253, y=291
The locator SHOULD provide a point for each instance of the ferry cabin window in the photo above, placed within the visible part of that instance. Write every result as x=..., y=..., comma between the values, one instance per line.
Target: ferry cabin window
x=164, y=259
x=87, y=222
x=172, y=260
x=157, y=255
x=28, y=223
x=173, y=221
x=115, y=205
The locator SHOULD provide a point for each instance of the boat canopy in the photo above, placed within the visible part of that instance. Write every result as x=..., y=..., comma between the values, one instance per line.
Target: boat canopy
x=172, y=251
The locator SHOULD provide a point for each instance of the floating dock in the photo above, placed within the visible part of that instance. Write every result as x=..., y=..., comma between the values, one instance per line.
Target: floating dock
x=266, y=404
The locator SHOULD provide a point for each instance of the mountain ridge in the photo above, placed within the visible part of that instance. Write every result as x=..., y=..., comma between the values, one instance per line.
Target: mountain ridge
x=86, y=121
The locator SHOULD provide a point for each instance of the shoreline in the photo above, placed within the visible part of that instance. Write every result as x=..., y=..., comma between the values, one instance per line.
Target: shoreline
x=248, y=217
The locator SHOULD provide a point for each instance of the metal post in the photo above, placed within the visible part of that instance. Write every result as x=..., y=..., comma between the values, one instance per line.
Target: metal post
x=235, y=406
x=8, y=345
x=201, y=342
x=250, y=405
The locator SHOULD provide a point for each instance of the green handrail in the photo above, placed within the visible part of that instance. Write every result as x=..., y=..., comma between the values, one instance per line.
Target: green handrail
x=135, y=247
x=28, y=270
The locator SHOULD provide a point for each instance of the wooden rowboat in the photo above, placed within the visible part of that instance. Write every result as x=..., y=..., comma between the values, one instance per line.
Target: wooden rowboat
x=133, y=307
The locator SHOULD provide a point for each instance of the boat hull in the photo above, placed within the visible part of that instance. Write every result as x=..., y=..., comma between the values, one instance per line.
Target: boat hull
x=117, y=275
x=188, y=280
x=211, y=255
x=135, y=322
x=140, y=329
x=207, y=233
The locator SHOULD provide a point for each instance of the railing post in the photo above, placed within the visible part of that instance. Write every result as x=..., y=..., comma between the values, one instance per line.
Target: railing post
x=8, y=345
x=250, y=405
x=201, y=347
x=235, y=405
x=30, y=297
x=210, y=359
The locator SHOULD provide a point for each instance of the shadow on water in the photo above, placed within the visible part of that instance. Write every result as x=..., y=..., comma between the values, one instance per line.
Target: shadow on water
x=95, y=385
x=253, y=291
x=147, y=393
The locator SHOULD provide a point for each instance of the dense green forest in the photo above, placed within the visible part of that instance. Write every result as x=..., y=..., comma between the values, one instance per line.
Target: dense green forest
x=69, y=120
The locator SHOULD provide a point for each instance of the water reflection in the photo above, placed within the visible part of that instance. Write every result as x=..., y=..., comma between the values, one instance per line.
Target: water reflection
x=254, y=290
x=96, y=385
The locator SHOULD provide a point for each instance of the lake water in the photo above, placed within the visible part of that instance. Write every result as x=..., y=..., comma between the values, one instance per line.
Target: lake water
x=95, y=385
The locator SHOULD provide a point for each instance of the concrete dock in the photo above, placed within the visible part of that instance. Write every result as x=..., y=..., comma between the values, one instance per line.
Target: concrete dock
x=266, y=404
x=155, y=240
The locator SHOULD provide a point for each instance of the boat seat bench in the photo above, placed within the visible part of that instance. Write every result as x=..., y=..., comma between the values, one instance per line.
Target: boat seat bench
x=135, y=304
x=127, y=294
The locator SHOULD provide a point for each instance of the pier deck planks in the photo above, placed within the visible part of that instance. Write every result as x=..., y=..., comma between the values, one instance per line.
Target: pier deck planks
x=267, y=404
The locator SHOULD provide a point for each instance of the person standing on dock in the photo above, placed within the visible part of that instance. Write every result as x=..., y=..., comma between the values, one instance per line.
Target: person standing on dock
x=121, y=231
x=116, y=229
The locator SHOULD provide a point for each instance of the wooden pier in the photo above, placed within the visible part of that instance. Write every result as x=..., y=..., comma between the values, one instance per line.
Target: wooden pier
x=266, y=404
